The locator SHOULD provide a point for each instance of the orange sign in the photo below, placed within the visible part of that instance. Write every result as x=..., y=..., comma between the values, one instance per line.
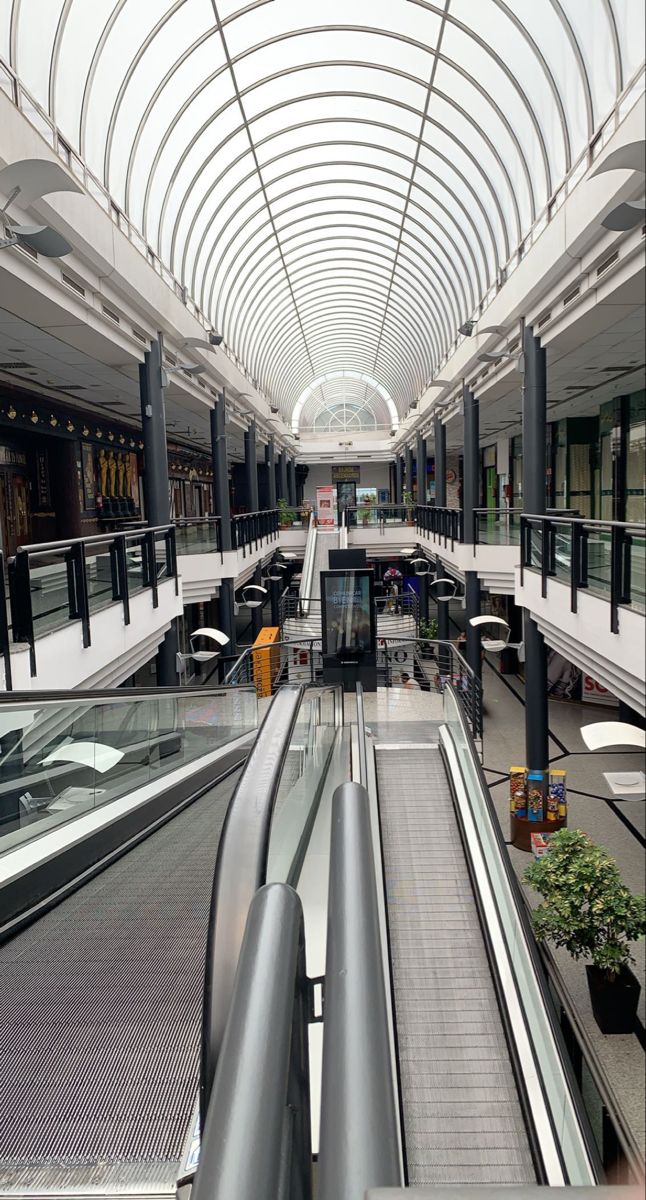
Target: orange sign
x=266, y=659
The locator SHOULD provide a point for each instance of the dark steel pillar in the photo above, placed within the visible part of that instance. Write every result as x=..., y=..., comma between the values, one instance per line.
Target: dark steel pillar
x=399, y=479
x=291, y=482
x=156, y=488
x=444, y=659
x=471, y=469
x=153, y=421
x=423, y=597
x=221, y=504
x=227, y=615
x=422, y=462
x=409, y=469
x=472, y=590
x=256, y=613
x=251, y=467
x=534, y=468
x=440, y=462
x=274, y=600
x=283, y=490
x=271, y=473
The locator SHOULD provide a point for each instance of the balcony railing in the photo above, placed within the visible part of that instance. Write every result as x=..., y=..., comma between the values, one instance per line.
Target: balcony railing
x=249, y=529
x=378, y=515
x=497, y=526
x=447, y=523
x=198, y=535
x=604, y=558
x=57, y=582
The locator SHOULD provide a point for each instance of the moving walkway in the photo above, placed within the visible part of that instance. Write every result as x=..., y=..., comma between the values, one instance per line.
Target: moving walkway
x=442, y=1062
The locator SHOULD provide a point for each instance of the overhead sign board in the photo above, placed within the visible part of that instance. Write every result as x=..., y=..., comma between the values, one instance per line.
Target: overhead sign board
x=346, y=473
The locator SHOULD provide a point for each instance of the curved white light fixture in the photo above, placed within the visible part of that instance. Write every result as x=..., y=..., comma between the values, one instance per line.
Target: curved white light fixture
x=288, y=555
x=624, y=217
x=274, y=572
x=421, y=566
x=27, y=180
x=491, y=644
x=603, y=734
x=253, y=595
x=407, y=551
x=631, y=157
x=14, y=719
x=452, y=583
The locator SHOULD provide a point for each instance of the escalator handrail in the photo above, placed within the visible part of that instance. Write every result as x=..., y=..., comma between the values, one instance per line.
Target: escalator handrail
x=241, y=869
x=529, y=939
x=362, y=741
x=119, y=693
x=308, y=568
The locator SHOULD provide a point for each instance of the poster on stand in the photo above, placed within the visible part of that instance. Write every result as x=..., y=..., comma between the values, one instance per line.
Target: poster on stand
x=595, y=693
x=326, y=506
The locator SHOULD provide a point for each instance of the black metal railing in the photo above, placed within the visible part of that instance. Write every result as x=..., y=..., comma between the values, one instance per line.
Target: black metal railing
x=53, y=583
x=378, y=515
x=249, y=529
x=497, y=526
x=604, y=558
x=399, y=613
x=447, y=523
x=198, y=535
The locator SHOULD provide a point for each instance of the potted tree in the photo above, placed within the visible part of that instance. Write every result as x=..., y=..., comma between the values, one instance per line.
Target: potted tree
x=428, y=631
x=588, y=910
x=285, y=514
x=407, y=499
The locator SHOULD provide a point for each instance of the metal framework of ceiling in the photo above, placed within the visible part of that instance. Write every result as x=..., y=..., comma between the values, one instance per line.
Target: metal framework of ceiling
x=337, y=197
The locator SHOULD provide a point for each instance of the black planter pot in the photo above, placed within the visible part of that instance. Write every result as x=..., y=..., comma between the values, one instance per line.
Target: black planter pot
x=614, y=1004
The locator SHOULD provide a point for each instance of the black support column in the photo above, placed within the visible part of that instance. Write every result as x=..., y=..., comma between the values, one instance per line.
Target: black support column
x=534, y=468
x=291, y=482
x=227, y=615
x=221, y=504
x=409, y=469
x=283, y=490
x=256, y=613
x=422, y=462
x=271, y=473
x=156, y=489
x=470, y=497
x=399, y=479
x=440, y=462
x=251, y=467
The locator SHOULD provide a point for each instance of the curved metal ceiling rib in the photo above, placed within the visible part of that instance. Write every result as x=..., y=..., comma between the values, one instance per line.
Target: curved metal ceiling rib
x=338, y=198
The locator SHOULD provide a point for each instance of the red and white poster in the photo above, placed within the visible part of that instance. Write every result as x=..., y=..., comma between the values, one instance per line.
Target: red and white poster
x=326, y=505
x=595, y=693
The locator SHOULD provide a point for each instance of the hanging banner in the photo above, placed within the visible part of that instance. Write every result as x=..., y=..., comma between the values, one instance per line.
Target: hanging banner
x=595, y=693
x=326, y=505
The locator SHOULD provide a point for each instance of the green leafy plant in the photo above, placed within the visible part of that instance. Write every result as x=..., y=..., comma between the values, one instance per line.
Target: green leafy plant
x=428, y=629
x=407, y=499
x=586, y=907
x=285, y=513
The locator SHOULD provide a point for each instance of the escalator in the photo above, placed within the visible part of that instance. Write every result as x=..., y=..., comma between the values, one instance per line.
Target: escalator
x=101, y=1002
x=103, y=989
x=462, y=1114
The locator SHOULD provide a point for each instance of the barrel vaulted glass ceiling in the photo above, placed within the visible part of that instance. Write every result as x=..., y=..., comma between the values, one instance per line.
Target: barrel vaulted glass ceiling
x=339, y=184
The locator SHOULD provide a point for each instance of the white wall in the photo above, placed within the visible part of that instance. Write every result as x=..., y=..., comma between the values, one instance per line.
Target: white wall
x=370, y=475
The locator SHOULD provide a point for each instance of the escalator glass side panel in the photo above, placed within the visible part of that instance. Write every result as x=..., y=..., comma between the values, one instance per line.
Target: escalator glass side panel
x=61, y=758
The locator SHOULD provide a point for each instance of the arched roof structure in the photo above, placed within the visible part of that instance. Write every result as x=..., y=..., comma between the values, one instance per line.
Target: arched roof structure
x=338, y=186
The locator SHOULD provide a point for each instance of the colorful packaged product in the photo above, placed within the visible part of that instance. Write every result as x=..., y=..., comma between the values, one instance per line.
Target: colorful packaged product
x=518, y=791
x=535, y=795
x=557, y=797
x=540, y=843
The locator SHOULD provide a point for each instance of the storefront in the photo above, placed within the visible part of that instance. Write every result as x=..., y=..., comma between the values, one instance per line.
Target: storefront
x=63, y=475
x=191, y=484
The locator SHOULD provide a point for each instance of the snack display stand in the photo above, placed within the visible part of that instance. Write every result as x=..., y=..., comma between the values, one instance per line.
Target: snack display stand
x=538, y=804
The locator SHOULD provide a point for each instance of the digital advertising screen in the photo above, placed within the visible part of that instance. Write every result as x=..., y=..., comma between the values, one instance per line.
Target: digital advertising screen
x=348, y=612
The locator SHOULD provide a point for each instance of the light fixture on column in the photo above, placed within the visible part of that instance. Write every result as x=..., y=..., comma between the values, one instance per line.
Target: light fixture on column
x=215, y=338
x=422, y=566
x=500, y=356
x=495, y=645
x=446, y=582
x=188, y=369
x=253, y=596
x=201, y=656
x=25, y=181
x=467, y=328
x=274, y=572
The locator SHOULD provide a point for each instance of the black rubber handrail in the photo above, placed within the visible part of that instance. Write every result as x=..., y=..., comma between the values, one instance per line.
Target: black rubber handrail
x=241, y=869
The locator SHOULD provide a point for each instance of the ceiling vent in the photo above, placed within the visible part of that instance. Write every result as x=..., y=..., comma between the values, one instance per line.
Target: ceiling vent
x=67, y=387
x=111, y=313
x=544, y=319
x=73, y=284
x=140, y=336
x=13, y=366
x=607, y=263
x=567, y=299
